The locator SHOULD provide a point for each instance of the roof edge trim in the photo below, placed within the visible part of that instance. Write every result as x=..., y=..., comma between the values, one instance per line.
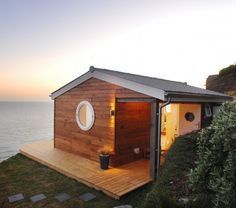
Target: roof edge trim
x=153, y=92
x=71, y=85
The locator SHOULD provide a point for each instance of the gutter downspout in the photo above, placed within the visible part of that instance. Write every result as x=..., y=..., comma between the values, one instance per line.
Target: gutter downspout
x=159, y=135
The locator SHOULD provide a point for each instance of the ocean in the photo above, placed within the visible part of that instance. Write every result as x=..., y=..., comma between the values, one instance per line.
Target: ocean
x=23, y=122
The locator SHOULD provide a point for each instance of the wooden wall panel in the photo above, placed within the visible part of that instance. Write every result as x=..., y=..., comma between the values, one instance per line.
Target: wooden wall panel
x=69, y=137
x=132, y=131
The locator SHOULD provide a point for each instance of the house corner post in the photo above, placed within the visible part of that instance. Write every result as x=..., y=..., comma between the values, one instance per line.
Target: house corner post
x=153, y=139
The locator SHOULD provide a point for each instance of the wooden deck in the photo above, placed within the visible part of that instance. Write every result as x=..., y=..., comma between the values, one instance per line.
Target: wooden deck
x=114, y=182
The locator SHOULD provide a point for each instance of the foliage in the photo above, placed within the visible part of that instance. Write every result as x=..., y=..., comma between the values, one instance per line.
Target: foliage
x=172, y=181
x=106, y=150
x=228, y=70
x=215, y=171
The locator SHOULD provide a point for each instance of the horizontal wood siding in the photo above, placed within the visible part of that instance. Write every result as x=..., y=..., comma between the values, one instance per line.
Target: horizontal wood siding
x=69, y=137
x=132, y=131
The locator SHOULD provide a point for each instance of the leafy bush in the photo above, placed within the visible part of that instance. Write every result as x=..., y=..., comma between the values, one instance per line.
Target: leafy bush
x=215, y=171
x=171, y=185
x=228, y=70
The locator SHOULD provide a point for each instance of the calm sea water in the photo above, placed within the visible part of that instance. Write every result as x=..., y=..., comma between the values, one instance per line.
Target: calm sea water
x=23, y=122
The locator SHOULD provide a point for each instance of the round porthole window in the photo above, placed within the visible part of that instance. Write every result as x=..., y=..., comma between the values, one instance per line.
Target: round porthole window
x=85, y=115
x=189, y=116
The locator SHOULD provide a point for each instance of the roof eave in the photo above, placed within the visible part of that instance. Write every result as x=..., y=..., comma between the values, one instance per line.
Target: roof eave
x=141, y=88
x=194, y=98
x=144, y=89
x=71, y=85
x=150, y=91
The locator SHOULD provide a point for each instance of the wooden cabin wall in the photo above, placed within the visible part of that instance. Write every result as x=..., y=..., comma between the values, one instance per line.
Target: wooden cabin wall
x=69, y=137
x=132, y=131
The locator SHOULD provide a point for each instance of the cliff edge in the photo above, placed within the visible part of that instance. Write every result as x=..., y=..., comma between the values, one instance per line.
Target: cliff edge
x=224, y=82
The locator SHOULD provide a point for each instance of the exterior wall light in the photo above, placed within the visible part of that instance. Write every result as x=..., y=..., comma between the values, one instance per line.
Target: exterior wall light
x=112, y=113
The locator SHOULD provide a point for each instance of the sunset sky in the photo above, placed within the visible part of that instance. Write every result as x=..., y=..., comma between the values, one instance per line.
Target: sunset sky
x=46, y=43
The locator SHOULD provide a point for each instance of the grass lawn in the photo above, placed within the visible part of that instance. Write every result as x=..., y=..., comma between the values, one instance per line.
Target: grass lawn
x=22, y=175
x=19, y=174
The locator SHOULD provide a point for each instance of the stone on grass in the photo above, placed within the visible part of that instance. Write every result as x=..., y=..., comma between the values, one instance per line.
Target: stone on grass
x=124, y=206
x=183, y=200
x=38, y=197
x=15, y=198
x=63, y=197
x=87, y=197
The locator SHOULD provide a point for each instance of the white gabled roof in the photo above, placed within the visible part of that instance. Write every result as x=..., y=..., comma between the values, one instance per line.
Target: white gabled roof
x=154, y=87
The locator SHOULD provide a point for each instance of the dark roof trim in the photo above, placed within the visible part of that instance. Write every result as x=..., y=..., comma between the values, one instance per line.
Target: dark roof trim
x=196, y=99
x=191, y=97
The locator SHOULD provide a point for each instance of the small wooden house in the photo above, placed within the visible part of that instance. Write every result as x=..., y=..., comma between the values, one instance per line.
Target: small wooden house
x=137, y=116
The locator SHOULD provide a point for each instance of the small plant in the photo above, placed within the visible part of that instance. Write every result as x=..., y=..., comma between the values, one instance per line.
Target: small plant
x=104, y=157
x=106, y=150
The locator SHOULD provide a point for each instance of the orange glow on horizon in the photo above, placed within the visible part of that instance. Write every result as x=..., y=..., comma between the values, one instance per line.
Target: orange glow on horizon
x=40, y=54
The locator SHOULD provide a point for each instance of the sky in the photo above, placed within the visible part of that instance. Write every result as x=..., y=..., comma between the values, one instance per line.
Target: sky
x=45, y=44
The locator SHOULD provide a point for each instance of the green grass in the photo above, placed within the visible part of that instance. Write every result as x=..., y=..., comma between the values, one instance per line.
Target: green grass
x=22, y=175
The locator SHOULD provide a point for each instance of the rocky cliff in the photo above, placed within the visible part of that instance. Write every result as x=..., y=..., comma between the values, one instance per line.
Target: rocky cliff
x=222, y=83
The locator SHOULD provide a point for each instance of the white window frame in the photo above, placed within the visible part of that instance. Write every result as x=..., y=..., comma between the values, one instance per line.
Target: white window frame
x=81, y=126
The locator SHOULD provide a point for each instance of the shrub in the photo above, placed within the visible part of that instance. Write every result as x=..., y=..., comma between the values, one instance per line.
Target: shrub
x=228, y=70
x=215, y=171
x=171, y=184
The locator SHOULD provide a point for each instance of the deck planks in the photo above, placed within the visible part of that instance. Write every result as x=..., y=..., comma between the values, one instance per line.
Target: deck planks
x=114, y=182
